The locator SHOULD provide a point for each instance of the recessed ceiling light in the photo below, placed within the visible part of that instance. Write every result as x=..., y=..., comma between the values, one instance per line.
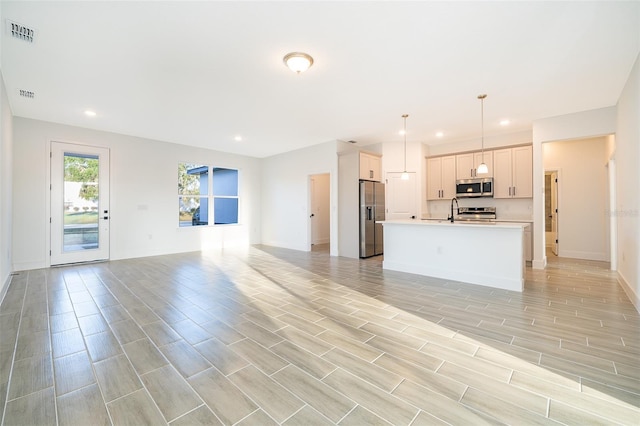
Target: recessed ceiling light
x=504, y=122
x=238, y=138
x=402, y=132
x=90, y=113
x=439, y=134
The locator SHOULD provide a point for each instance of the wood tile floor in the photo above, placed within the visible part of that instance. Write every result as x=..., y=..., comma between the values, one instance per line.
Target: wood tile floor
x=268, y=336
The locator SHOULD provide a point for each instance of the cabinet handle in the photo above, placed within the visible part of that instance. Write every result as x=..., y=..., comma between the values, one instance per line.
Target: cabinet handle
x=371, y=174
x=514, y=191
x=509, y=191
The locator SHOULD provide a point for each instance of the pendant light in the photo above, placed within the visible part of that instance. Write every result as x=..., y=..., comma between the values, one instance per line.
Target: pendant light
x=405, y=174
x=482, y=168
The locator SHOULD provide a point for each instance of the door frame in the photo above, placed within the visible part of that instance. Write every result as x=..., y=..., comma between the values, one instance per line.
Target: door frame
x=555, y=246
x=310, y=207
x=48, y=197
x=613, y=217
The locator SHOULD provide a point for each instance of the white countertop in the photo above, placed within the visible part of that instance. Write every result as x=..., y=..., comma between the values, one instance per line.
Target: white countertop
x=444, y=222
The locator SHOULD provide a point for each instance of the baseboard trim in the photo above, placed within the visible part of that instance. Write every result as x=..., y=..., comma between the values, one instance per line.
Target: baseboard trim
x=539, y=264
x=631, y=294
x=584, y=255
x=5, y=287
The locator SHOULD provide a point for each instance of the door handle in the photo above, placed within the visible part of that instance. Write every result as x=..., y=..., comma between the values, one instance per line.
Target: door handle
x=312, y=215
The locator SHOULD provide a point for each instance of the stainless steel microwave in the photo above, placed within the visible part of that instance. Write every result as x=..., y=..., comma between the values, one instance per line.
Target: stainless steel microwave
x=479, y=187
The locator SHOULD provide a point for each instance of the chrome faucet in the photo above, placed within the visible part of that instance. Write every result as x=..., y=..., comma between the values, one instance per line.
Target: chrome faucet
x=451, y=218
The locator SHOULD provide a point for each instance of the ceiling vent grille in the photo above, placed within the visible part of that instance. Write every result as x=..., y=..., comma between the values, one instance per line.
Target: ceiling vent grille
x=21, y=32
x=26, y=94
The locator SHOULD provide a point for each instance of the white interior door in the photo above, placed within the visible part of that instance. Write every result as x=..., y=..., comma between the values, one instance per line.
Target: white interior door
x=401, y=197
x=79, y=203
x=319, y=217
x=554, y=212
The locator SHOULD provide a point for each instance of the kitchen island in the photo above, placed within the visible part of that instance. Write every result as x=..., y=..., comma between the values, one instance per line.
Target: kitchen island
x=489, y=254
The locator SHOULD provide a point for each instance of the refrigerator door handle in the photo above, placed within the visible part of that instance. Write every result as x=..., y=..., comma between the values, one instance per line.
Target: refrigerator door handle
x=369, y=213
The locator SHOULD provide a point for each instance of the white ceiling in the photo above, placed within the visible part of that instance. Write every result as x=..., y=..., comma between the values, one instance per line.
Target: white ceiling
x=201, y=73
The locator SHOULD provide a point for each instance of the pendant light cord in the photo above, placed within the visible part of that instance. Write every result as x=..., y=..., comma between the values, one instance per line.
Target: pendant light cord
x=405, y=141
x=481, y=97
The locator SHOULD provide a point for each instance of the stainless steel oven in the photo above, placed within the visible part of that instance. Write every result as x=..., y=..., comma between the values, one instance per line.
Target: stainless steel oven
x=479, y=187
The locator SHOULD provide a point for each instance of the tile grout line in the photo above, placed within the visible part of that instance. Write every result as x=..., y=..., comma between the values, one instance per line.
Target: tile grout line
x=15, y=348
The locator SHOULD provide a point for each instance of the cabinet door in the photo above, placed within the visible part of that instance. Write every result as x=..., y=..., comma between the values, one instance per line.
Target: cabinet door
x=370, y=167
x=487, y=158
x=375, y=164
x=448, y=177
x=365, y=171
x=522, y=175
x=464, y=166
x=434, y=178
x=502, y=170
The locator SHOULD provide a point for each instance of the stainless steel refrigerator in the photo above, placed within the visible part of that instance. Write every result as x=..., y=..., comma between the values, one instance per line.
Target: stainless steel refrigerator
x=371, y=210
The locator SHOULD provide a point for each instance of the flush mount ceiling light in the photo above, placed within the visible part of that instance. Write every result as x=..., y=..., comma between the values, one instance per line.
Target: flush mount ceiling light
x=90, y=113
x=298, y=62
x=482, y=168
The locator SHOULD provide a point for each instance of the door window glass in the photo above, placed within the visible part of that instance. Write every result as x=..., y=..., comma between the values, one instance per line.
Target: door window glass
x=81, y=193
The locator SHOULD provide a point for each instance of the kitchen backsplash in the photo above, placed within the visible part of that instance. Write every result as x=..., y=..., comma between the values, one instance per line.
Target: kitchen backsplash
x=506, y=209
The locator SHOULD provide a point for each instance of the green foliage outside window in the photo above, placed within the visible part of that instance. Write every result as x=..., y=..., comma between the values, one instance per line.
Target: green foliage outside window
x=85, y=170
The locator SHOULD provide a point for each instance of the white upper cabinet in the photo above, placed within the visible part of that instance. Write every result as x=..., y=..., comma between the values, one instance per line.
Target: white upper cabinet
x=513, y=172
x=467, y=164
x=441, y=177
x=370, y=167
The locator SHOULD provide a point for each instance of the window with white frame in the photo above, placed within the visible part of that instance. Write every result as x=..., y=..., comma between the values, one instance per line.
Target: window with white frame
x=207, y=195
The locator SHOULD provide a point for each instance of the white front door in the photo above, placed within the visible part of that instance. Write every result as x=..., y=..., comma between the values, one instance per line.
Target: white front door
x=401, y=197
x=79, y=203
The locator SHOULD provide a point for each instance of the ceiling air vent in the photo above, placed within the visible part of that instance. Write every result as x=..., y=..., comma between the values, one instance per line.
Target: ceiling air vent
x=21, y=32
x=26, y=94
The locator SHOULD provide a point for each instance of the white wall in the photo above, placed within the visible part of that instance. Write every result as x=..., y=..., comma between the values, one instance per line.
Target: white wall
x=6, y=178
x=627, y=157
x=490, y=142
x=586, y=124
x=583, y=202
x=144, y=201
x=286, y=200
